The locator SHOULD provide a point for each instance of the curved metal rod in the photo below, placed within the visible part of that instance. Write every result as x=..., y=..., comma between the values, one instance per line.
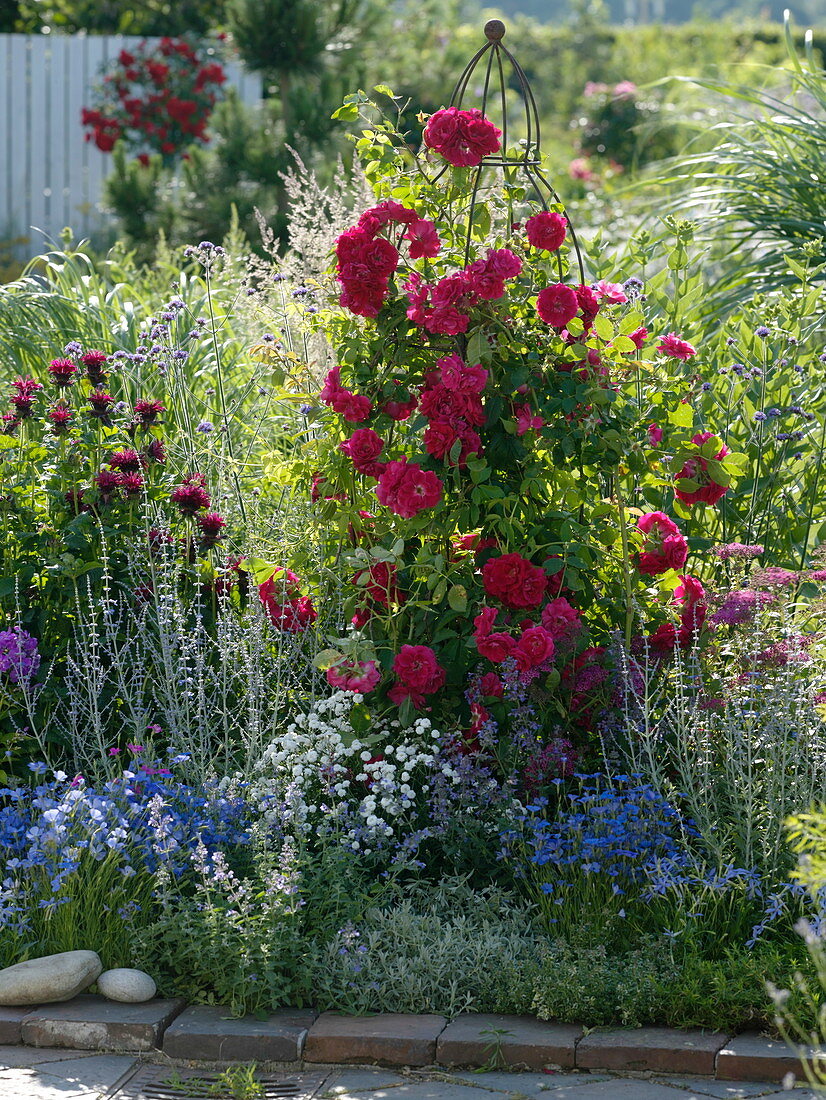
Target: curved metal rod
x=530, y=160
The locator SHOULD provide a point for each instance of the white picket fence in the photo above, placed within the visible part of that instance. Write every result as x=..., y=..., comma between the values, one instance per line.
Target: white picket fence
x=49, y=176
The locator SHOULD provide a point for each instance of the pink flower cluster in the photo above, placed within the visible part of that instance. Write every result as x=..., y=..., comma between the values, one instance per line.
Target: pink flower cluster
x=418, y=674
x=442, y=307
x=451, y=403
x=406, y=489
x=708, y=491
x=534, y=646
x=675, y=347
x=519, y=585
x=364, y=447
x=546, y=230
x=353, y=407
x=286, y=608
x=690, y=598
x=559, y=303
x=514, y=581
x=366, y=261
x=357, y=676
x=463, y=138
x=664, y=547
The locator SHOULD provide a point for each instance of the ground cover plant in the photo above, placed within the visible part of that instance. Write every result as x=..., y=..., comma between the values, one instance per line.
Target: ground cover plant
x=439, y=585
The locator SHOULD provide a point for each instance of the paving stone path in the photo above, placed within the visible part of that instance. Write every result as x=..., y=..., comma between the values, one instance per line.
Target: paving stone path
x=28, y=1073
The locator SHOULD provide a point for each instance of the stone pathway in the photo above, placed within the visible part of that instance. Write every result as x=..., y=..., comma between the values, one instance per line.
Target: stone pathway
x=28, y=1073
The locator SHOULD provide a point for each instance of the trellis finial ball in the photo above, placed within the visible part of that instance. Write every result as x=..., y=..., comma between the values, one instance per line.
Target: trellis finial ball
x=495, y=29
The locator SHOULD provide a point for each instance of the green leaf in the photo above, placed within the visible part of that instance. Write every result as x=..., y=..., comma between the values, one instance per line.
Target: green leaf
x=682, y=416
x=348, y=112
x=457, y=597
x=382, y=89
x=576, y=326
x=327, y=658
x=478, y=348
x=605, y=330
x=796, y=269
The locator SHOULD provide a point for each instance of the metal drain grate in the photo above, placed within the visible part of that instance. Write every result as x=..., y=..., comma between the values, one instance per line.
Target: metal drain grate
x=169, y=1083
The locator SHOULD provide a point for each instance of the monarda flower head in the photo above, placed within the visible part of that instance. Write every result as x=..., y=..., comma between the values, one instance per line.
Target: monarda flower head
x=94, y=362
x=60, y=417
x=211, y=525
x=101, y=403
x=191, y=495
x=127, y=461
x=62, y=372
x=148, y=412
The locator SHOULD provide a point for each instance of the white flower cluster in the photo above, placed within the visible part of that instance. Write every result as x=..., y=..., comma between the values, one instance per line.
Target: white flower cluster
x=363, y=784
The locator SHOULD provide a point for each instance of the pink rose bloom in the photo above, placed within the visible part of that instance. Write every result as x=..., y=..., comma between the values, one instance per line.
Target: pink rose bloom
x=696, y=469
x=588, y=304
x=380, y=256
x=446, y=321
x=663, y=641
x=424, y=239
x=527, y=420
x=579, y=169
x=546, y=230
x=655, y=434
x=484, y=621
x=625, y=89
x=364, y=446
x=675, y=347
x=459, y=377
x=691, y=595
x=463, y=138
x=491, y=686
x=557, y=304
x=418, y=670
x=351, y=406
x=358, y=676
x=638, y=336
x=503, y=263
x=332, y=386
x=559, y=618
x=514, y=581
x=610, y=292
x=495, y=647
x=534, y=647
x=406, y=489
x=664, y=547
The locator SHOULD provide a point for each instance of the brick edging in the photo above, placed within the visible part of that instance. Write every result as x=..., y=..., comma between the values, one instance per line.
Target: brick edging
x=204, y=1033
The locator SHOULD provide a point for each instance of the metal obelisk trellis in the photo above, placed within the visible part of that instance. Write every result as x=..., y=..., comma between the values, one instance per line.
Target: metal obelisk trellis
x=529, y=161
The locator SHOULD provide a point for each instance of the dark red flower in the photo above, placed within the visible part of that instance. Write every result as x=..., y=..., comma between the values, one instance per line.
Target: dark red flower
x=61, y=417
x=211, y=524
x=62, y=372
x=148, y=412
x=127, y=461
x=191, y=496
x=93, y=362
